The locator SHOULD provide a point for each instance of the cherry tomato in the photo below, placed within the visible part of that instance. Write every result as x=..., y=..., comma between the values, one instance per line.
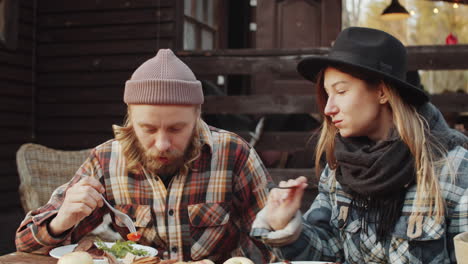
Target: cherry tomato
x=133, y=236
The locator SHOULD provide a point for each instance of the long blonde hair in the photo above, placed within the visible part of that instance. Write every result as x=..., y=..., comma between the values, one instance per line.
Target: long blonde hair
x=414, y=132
x=134, y=152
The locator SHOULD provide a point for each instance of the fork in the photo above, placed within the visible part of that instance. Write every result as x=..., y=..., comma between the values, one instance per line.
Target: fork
x=286, y=188
x=123, y=217
x=273, y=186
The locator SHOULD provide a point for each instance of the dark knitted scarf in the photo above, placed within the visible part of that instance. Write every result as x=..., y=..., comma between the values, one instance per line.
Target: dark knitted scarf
x=377, y=174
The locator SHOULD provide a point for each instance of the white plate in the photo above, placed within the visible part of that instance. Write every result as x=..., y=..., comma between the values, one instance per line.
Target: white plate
x=60, y=251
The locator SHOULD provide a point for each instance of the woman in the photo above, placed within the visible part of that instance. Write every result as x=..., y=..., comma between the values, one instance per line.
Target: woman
x=394, y=189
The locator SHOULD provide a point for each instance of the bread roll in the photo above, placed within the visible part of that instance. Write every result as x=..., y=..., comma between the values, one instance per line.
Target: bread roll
x=79, y=257
x=205, y=261
x=238, y=260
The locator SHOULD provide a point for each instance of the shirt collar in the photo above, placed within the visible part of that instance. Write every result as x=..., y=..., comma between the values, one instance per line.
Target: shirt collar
x=206, y=137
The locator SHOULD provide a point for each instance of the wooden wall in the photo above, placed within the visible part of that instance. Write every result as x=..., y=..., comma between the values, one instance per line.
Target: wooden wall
x=87, y=49
x=16, y=88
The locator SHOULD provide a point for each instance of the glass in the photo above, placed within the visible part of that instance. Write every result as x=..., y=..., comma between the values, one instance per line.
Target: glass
x=207, y=39
x=189, y=36
x=188, y=7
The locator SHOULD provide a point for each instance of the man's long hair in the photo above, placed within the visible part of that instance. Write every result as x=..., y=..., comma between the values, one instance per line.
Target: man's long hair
x=135, y=153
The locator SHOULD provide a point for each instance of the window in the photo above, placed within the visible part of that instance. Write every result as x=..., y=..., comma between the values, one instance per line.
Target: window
x=9, y=23
x=201, y=27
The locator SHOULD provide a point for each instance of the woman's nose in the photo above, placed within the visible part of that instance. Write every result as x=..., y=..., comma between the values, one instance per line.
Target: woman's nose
x=330, y=107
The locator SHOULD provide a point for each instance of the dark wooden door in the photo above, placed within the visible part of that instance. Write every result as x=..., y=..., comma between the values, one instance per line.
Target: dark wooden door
x=284, y=24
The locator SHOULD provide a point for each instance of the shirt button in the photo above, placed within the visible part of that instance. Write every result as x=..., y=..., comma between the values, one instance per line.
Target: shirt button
x=171, y=212
x=174, y=249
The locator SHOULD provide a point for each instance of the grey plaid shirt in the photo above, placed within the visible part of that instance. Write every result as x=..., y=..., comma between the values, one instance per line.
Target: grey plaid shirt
x=329, y=233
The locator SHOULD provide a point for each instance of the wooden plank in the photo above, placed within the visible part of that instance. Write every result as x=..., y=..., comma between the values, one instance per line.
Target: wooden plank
x=260, y=104
x=99, y=33
x=95, y=124
x=81, y=79
x=15, y=120
x=281, y=141
x=304, y=52
x=78, y=94
x=11, y=136
x=8, y=165
x=99, y=102
x=219, y=65
x=26, y=4
x=449, y=57
x=19, y=59
x=15, y=73
x=24, y=47
x=9, y=199
x=451, y=102
x=93, y=63
x=12, y=88
x=292, y=87
x=26, y=14
x=72, y=141
x=25, y=30
x=279, y=104
x=10, y=104
x=212, y=65
x=9, y=182
x=9, y=151
x=241, y=65
x=82, y=110
x=114, y=47
x=58, y=6
x=114, y=17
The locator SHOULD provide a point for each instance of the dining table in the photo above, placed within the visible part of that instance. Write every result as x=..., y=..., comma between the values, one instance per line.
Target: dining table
x=26, y=258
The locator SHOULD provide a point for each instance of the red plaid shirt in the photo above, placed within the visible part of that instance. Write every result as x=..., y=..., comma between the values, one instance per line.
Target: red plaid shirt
x=206, y=213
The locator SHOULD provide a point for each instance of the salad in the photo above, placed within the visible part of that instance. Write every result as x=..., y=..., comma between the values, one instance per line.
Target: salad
x=121, y=248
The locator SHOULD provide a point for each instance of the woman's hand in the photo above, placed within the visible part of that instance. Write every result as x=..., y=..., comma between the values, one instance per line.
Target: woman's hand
x=80, y=201
x=283, y=204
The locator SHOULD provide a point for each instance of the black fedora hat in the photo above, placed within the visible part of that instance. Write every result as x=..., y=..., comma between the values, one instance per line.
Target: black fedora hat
x=371, y=50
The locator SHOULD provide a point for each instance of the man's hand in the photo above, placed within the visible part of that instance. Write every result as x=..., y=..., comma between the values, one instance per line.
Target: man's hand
x=80, y=201
x=283, y=204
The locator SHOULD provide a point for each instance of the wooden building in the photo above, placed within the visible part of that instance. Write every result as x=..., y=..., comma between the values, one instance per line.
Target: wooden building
x=63, y=81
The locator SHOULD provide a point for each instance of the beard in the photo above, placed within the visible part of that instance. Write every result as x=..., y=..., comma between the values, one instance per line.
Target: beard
x=175, y=159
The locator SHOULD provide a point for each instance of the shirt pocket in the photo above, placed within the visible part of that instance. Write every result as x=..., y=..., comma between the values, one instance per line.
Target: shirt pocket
x=208, y=214
x=208, y=223
x=424, y=242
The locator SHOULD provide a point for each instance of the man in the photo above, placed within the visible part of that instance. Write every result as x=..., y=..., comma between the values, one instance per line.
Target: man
x=192, y=190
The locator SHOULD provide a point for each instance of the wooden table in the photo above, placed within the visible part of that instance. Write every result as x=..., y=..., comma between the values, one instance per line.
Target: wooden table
x=26, y=258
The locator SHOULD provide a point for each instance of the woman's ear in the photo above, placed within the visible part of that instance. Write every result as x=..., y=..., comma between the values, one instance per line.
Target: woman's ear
x=382, y=93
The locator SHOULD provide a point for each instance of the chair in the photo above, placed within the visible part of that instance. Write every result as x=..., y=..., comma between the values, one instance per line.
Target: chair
x=42, y=170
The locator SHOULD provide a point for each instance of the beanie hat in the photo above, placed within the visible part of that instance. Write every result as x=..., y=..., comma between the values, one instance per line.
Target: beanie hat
x=163, y=79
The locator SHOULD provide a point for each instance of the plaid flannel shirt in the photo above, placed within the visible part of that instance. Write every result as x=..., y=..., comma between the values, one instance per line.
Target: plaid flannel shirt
x=206, y=213
x=329, y=233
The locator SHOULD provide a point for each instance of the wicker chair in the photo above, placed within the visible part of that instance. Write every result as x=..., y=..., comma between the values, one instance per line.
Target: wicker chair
x=42, y=170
